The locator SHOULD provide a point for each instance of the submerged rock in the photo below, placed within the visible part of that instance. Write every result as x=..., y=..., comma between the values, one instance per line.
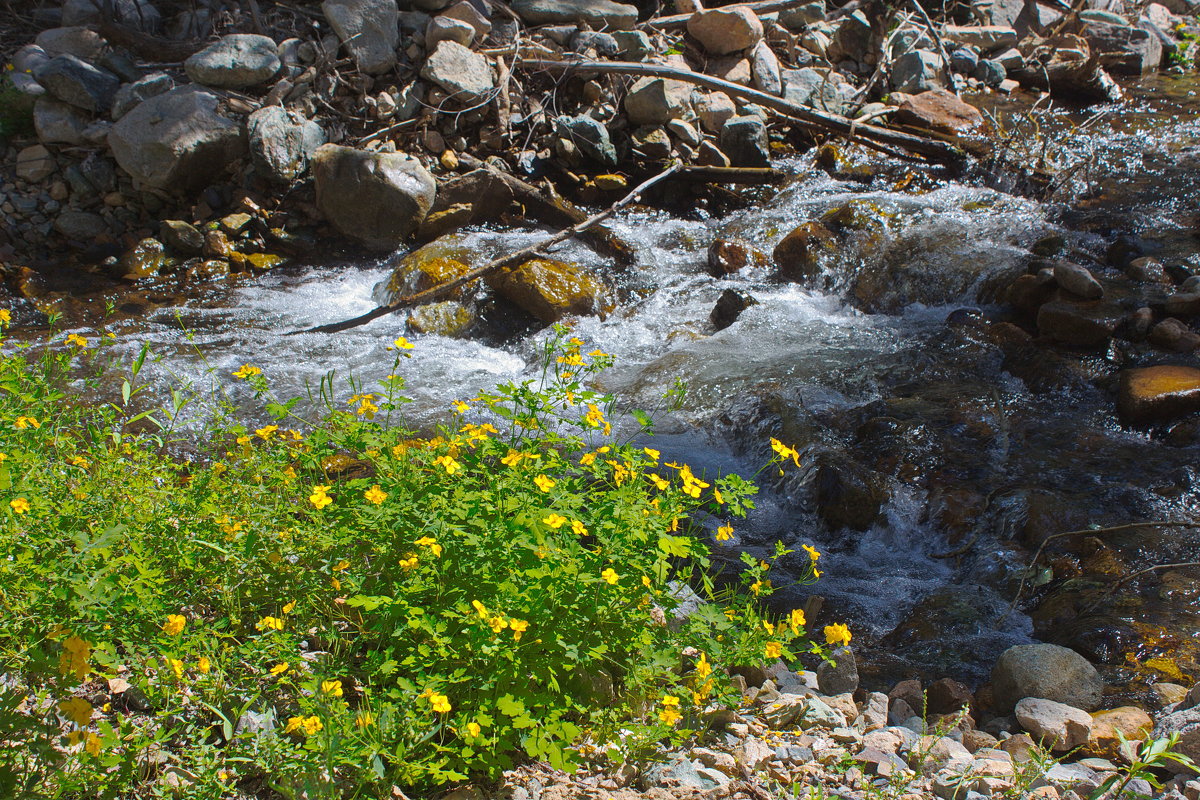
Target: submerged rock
x=1156, y=394
x=377, y=198
x=449, y=318
x=726, y=257
x=799, y=256
x=729, y=307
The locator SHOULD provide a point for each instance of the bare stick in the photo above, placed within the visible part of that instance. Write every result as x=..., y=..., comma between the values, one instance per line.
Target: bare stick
x=510, y=260
x=806, y=117
x=1135, y=576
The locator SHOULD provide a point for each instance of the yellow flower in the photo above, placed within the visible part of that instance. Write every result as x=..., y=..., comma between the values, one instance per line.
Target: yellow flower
x=768, y=626
x=595, y=419
x=773, y=650
x=449, y=464
x=365, y=719
x=519, y=626
x=473, y=729
x=5, y=314
x=555, y=521
x=659, y=481
x=78, y=341
x=308, y=725
x=703, y=668
x=784, y=452
x=77, y=710
x=480, y=609
x=280, y=668
x=578, y=528
x=718, y=496
x=204, y=665
x=264, y=433
x=812, y=552
x=652, y=453
x=544, y=483
x=431, y=543
x=92, y=744
x=401, y=344
x=670, y=710
x=796, y=620
x=409, y=562
x=176, y=667
x=319, y=498
x=837, y=634
x=246, y=371
x=610, y=576
x=174, y=625
x=293, y=724
x=19, y=505
x=440, y=702
x=756, y=587
x=331, y=688
x=462, y=406
x=289, y=607
x=78, y=461
x=497, y=623
x=75, y=657
x=587, y=459
x=724, y=533
x=270, y=624
x=512, y=459
x=21, y=423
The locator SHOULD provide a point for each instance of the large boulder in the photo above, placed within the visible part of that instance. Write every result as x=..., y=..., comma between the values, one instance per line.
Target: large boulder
x=1046, y=671
x=177, y=140
x=1057, y=726
x=376, y=198
x=1154, y=394
x=76, y=82
x=235, y=61
x=726, y=30
x=369, y=30
x=599, y=14
x=550, y=290
x=461, y=72
x=282, y=142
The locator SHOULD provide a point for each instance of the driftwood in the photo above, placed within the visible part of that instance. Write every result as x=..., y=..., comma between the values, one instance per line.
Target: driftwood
x=870, y=135
x=147, y=47
x=743, y=175
x=761, y=7
x=511, y=260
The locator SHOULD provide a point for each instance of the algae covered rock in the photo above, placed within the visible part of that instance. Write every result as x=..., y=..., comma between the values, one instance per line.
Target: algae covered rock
x=1153, y=394
x=550, y=290
x=450, y=318
x=800, y=254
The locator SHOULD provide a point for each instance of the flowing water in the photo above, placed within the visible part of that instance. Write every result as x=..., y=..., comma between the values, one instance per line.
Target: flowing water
x=910, y=405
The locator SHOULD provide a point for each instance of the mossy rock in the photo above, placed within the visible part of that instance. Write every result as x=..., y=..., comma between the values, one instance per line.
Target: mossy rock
x=550, y=290
x=800, y=255
x=450, y=319
x=146, y=258
x=427, y=267
x=857, y=215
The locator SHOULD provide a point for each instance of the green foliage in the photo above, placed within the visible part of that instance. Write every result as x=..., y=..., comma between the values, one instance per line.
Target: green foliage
x=333, y=608
x=1149, y=755
x=16, y=110
x=1186, y=53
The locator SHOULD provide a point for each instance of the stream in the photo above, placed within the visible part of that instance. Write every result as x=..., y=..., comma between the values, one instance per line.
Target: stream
x=935, y=459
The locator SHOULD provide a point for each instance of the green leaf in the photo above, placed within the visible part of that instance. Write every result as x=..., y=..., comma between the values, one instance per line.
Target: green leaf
x=509, y=706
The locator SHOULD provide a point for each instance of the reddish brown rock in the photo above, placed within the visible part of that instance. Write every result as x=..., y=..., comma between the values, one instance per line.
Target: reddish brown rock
x=1131, y=722
x=936, y=110
x=1153, y=394
x=798, y=256
x=947, y=695
x=726, y=257
x=1079, y=324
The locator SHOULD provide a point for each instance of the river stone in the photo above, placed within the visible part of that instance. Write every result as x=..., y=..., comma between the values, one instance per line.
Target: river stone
x=990, y=73
x=984, y=38
x=726, y=257
x=764, y=68
x=377, y=198
x=80, y=226
x=146, y=258
x=445, y=29
x=839, y=677
x=282, y=142
x=657, y=101
x=589, y=135
x=1045, y=671
x=744, y=140
x=726, y=30
x=800, y=17
x=936, y=110
x=597, y=13
x=1057, y=726
x=964, y=60
x=176, y=140
x=917, y=71
x=1186, y=303
x=140, y=14
x=1130, y=721
x=1186, y=723
x=465, y=11
x=449, y=318
x=1126, y=50
x=76, y=82
x=652, y=142
x=460, y=72
x=633, y=45
x=1077, y=280
x=946, y=696
x=799, y=256
x=1156, y=394
x=140, y=90
x=235, y=61
x=729, y=307
x=549, y=289
x=846, y=494
x=368, y=29
x=182, y=237
x=1087, y=324
x=34, y=164
x=714, y=109
x=76, y=40
x=1173, y=336
x=852, y=39
x=59, y=123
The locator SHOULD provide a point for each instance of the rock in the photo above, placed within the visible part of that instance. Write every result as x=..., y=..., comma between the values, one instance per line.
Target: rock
x=975, y=741
x=652, y=142
x=984, y=38
x=714, y=109
x=465, y=11
x=80, y=226
x=1186, y=723
x=1079, y=324
x=656, y=101
x=633, y=45
x=744, y=140
x=1125, y=50
x=847, y=496
x=140, y=90
x=282, y=142
x=377, y=198
x=590, y=136
x=144, y=259
x=799, y=256
x=990, y=73
x=764, y=69
x=964, y=60
x=176, y=140
x=1156, y=394
x=1046, y=671
x=685, y=132
x=445, y=29
x=726, y=30
x=59, y=123
x=1183, y=303
x=1131, y=722
x=678, y=772
x=875, y=711
x=550, y=290
x=801, y=710
x=368, y=30
x=726, y=257
x=1147, y=270
x=76, y=41
x=939, y=752
x=450, y=318
x=138, y=14
x=1169, y=694
x=77, y=83
x=937, y=110
x=1173, y=336
x=1077, y=280
x=462, y=73
x=838, y=677
x=1057, y=726
x=917, y=71
x=852, y=39
x=182, y=237
x=599, y=14
x=820, y=89
x=35, y=163
x=235, y=61
x=946, y=696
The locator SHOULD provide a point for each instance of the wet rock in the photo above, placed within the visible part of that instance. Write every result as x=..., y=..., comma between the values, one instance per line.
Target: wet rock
x=550, y=290
x=946, y=695
x=182, y=237
x=75, y=40
x=80, y=226
x=35, y=164
x=142, y=89
x=76, y=82
x=590, y=136
x=1183, y=303
x=176, y=140
x=1147, y=270
x=847, y=496
x=377, y=198
x=282, y=142
x=726, y=257
x=429, y=266
x=600, y=14
x=235, y=61
x=59, y=123
x=656, y=101
x=1129, y=721
x=1124, y=250
x=1077, y=280
x=1173, y=336
x=838, y=677
x=744, y=140
x=799, y=256
x=1125, y=50
x=917, y=71
x=1045, y=671
x=726, y=30
x=462, y=73
x=1057, y=726
x=368, y=30
x=937, y=110
x=1079, y=324
x=1168, y=694
x=1029, y=292
x=1156, y=394
x=449, y=318
x=146, y=258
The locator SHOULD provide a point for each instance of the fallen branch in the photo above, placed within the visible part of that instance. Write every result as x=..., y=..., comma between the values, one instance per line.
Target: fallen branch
x=761, y=7
x=806, y=117
x=743, y=175
x=510, y=260
x=1134, y=576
